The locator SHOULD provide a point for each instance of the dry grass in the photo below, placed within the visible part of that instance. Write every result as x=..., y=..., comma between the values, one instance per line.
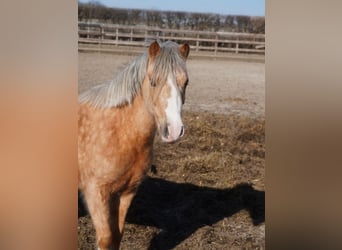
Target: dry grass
x=204, y=192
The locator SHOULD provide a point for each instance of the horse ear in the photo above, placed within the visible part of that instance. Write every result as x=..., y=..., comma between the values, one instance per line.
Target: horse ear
x=184, y=50
x=154, y=49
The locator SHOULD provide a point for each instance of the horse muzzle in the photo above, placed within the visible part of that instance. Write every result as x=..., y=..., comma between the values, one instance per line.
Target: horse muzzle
x=171, y=132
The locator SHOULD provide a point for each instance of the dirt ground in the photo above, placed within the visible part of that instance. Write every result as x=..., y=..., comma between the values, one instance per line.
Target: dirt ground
x=206, y=191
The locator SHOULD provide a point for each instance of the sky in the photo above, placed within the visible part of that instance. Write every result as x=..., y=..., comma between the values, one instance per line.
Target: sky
x=226, y=7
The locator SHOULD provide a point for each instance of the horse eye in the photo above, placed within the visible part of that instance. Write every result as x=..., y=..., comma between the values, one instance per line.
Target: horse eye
x=186, y=82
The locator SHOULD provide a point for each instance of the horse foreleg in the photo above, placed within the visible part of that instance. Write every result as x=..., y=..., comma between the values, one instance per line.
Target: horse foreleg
x=125, y=202
x=120, y=211
x=98, y=205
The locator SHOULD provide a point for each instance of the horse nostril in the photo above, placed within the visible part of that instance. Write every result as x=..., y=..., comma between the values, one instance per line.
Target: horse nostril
x=166, y=131
x=182, y=132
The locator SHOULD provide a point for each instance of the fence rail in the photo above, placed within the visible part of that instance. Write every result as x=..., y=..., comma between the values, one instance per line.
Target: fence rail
x=140, y=36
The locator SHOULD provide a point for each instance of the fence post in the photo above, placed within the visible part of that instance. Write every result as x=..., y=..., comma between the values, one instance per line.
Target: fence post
x=237, y=47
x=197, y=42
x=102, y=32
x=102, y=35
x=216, y=38
x=116, y=36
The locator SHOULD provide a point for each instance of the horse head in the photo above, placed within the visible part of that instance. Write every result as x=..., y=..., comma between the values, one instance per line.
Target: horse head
x=164, y=87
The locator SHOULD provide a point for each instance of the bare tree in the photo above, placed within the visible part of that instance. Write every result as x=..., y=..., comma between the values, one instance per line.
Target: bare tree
x=258, y=25
x=154, y=18
x=171, y=19
x=135, y=16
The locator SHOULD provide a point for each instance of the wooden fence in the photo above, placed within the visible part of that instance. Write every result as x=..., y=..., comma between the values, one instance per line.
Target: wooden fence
x=141, y=36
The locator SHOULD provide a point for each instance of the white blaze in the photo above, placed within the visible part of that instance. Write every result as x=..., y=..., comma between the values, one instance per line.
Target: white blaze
x=173, y=110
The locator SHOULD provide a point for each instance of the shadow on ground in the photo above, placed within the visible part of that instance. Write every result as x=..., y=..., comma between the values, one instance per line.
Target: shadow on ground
x=179, y=209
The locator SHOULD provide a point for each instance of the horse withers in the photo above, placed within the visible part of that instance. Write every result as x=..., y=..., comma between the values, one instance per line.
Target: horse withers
x=117, y=125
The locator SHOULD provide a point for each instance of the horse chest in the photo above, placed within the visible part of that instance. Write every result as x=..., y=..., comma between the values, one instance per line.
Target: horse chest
x=117, y=151
x=127, y=161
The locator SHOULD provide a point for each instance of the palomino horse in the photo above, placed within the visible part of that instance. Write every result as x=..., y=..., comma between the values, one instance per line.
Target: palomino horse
x=117, y=124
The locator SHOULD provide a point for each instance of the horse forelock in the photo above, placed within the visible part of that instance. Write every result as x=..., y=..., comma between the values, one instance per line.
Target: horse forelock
x=169, y=61
x=122, y=90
